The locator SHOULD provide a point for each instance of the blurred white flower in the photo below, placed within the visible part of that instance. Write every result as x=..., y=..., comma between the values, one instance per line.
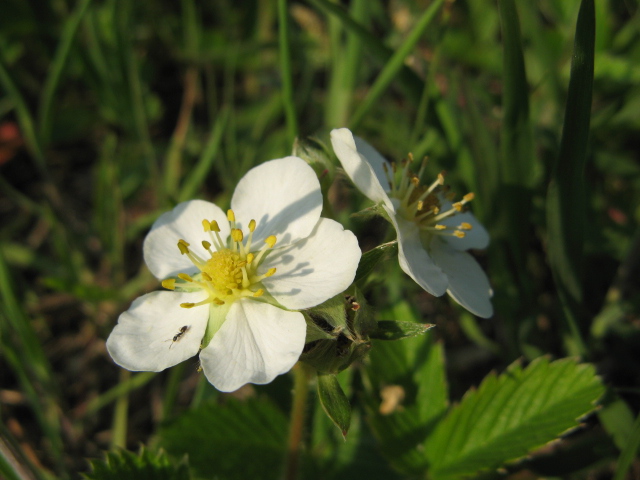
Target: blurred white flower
x=433, y=232
x=235, y=289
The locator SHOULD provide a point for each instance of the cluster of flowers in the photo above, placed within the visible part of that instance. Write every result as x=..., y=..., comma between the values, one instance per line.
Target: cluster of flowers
x=235, y=282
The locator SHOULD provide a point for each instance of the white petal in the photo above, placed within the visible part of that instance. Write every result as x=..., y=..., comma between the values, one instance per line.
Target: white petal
x=161, y=253
x=143, y=338
x=315, y=269
x=364, y=167
x=414, y=259
x=256, y=343
x=477, y=237
x=283, y=196
x=468, y=284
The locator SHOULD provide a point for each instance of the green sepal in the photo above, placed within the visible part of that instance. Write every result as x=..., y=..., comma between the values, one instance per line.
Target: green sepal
x=392, y=330
x=338, y=332
x=334, y=402
x=369, y=260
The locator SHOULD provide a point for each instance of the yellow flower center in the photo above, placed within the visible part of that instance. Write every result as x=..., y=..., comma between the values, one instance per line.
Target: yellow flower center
x=230, y=272
x=422, y=204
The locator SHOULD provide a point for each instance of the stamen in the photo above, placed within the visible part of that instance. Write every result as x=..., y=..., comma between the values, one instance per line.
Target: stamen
x=440, y=227
x=270, y=240
x=465, y=226
x=270, y=272
x=214, y=226
x=252, y=226
x=169, y=283
x=183, y=246
x=258, y=293
x=207, y=277
x=206, y=224
x=459, y=234
x=206, y=245
x=237, y=235
x=250, y=258
x=185, y=277
x=187, y=305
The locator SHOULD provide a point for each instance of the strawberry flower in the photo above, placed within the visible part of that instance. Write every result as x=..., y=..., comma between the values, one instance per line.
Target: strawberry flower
x=433, y=231
x=235, y=281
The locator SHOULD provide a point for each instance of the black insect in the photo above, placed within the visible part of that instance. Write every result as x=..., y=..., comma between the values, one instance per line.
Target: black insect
x=178, y=335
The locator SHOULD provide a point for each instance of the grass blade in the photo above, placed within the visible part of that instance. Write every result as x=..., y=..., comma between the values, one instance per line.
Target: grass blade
x=395, y=63
x=566, y=194
x=285, y=71
x=56, y=68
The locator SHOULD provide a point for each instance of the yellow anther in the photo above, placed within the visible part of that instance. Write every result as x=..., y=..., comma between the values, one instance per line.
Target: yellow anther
x=270, y=272
x=183, y=246
x=250, y=257
x=236, y=234
x=231, y=216
x=410, y=157
x=465, y=226
x=436, y=209
x=440, y=227
x=441, y=179
x=214, y=226
x=206, y=224
x=420, y=205
x=207, y=277
x=217, y=301
x=459, y=234
x=252, y=225
x=185, y=277
x=415, y=180
x=258, y=293
x=468, y=197
x=169, y=283
x=270, y=240
x=458, y=206
x=187, y=305
x=206, y=245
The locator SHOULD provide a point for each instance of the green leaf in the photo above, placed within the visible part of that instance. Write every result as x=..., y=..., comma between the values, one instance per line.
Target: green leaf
x=511, y=414
x=370, y=259
x=566, y=195
x=334, y=402
x=123, y=465
x=409, y=394
x=629, y=452
x=219, y=439
x=391, y=330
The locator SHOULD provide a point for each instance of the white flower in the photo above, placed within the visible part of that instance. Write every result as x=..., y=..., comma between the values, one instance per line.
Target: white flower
x=235, y=289
x=433, y=233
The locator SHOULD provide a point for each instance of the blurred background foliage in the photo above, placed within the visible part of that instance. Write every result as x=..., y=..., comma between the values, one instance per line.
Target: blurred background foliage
x=112, y=111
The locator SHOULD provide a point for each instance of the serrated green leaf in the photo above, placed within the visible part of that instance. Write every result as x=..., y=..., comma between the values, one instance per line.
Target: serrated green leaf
x=220, y=438
x=334, y=402
x=370, y=259
x=391, y=330
x=124, y=465
x=511, y=414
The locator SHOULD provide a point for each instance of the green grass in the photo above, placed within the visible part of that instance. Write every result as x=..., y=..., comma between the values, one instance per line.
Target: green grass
x=124, y=109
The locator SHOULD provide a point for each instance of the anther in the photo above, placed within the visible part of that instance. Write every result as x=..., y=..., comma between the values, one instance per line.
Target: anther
x=206, y=245
x=236, y=234
x=231, y=216
x=270, y=240
x=250, y=258
x=206, y=224
x=252, y=225
x=469, y=196
x=270, y=272
x=465, y=226
x=187, y=305
x=185, y=277
x=258, y=293
x=440, y=227
x=217, y=301
x=183, y=246
x=214, y=226
x=169, y=284
x=459, y=234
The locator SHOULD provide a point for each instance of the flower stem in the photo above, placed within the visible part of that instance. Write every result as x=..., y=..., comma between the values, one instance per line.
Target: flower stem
x=301, y=376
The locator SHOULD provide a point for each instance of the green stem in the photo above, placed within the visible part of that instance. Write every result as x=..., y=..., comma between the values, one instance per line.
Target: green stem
x=119, y=429
x=301, y=375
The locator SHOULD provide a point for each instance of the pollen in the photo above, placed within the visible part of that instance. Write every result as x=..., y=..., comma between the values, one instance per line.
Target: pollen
x=230, y=268
x=426, y=205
